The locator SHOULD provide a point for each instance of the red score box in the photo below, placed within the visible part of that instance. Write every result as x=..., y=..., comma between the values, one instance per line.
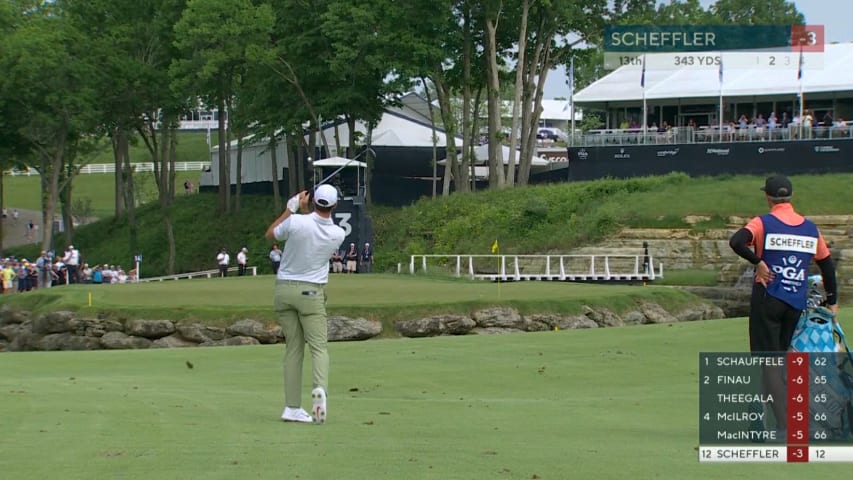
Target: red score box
x=797, y=380
x=798, y=454
x=807, y=38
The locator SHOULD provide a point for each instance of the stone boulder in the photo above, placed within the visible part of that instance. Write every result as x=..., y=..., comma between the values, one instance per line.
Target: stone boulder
x=437, y=325
x=10, y=331
x=9, y=315
x=342, y=329
x=253, y=328
x=603, y=317
x=172, y=341
x=634, y=317
x=232, y=342
x=67, y=341
x=199, y=333
x=703, y=311
x=494, y=330
x=541, y=322
x=95, y=327
x=654, y=313
x=120, y=340
x=500, y=317
x=54, y=322
x=150, y=329
x=575, y=322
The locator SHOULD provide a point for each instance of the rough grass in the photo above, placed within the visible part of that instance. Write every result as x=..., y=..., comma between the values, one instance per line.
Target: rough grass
x=590, y=404
x=386, y=298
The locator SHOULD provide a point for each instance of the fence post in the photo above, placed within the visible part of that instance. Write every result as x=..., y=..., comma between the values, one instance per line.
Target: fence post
x=412, y=265
x=458, y=264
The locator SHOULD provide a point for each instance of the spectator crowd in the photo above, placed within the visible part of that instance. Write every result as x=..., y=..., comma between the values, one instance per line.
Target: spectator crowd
x=52, y=270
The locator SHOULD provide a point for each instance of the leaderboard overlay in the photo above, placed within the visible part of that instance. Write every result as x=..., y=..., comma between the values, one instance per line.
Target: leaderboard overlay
x=740, y=395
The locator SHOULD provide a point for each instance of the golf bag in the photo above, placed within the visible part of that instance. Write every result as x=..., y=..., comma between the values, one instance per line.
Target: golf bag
x=830, y=373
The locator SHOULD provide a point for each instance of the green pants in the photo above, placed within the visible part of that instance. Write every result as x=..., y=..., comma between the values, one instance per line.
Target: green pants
x=301, y=311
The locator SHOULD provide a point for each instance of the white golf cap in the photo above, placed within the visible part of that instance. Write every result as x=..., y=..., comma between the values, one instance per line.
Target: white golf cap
x=326, y=196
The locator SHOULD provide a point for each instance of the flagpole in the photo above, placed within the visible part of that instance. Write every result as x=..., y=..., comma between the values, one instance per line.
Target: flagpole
x=721, y=97
x=572, y=99
x=800, y=81
x=645, y=109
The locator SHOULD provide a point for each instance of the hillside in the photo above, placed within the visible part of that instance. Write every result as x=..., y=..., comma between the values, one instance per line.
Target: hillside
x=537, y=219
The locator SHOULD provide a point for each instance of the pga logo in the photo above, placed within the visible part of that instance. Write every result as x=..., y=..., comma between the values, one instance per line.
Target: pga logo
x=791, y=270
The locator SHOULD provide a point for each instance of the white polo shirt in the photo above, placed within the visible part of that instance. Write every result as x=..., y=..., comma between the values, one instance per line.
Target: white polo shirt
x=311, y=240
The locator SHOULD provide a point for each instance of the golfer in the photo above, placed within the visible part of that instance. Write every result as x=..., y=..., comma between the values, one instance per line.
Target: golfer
x=300, y=298
x=781, y=244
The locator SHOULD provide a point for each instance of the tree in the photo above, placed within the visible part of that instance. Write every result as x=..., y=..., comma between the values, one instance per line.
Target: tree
x=48, y=95
x=755, y=12
x=213, y=37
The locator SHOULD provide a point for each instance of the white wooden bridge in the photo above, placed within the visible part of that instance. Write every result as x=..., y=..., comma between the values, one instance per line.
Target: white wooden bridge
x=564, y=268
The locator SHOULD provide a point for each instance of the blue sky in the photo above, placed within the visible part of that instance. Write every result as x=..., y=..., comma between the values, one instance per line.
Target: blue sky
x=834, y=15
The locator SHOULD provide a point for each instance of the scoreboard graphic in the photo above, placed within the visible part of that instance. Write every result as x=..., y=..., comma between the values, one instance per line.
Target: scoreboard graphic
x=774, y=407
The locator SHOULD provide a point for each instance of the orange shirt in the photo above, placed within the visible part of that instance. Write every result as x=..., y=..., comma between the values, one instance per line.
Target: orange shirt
x=786, y=214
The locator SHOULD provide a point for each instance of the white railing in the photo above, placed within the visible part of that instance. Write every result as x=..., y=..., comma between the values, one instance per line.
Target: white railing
x=541, y=267
x=232, y=271
x=111, y=168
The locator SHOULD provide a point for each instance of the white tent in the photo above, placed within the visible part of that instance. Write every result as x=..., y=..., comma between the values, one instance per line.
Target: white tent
x=481, y=155
x=829, y=71
x=393, y=130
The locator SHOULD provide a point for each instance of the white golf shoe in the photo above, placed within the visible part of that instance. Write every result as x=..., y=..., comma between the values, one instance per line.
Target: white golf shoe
x=296, y=415
x=318, y=400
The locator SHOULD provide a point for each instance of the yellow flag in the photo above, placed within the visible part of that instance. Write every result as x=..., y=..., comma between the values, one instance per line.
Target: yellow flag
x=495, y=247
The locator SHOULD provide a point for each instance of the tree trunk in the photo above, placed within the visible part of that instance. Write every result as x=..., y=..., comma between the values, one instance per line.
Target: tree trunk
x=224, y=166
x=519, y=86
x=293, y=143
x=538, y=90
x=129, y=195
x=434, y=138
x=496, y=171
x=53, y=164
x=119, y=137
x=474, y=133
x=443, y=94
x=462, y=183
x=67, y=217
x=274, y=161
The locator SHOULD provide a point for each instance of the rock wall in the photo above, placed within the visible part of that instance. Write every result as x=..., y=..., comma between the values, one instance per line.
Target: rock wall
x=64, y=330
x=685, y=248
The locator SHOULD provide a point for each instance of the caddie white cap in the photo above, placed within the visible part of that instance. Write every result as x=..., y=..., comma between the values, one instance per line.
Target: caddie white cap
x=326, y=196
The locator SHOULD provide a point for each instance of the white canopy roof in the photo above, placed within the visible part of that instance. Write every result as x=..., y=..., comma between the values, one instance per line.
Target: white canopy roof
x=338, y=162
x=830, y=71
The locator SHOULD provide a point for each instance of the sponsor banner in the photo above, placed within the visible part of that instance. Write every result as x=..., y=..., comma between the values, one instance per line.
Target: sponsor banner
x=698, y=159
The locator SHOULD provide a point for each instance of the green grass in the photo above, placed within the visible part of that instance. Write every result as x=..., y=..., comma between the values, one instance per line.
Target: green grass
x=588, y=404
x=25, y=192
x=691, y=277
x=382, y=297
x=543, y=219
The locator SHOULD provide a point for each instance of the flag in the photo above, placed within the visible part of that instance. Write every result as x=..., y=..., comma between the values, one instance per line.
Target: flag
x=800, y=68
x=572, y=75
x=643, y=75
x=495, y=247
x=721, y=69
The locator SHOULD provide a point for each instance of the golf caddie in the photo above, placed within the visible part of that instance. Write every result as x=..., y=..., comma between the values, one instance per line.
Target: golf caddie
x=300, y=297
x=781, y=245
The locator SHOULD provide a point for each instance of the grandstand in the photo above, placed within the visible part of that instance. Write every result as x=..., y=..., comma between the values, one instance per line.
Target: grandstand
x=809, y=99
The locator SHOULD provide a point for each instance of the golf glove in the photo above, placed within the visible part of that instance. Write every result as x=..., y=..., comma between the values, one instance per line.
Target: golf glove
x=293, y=204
